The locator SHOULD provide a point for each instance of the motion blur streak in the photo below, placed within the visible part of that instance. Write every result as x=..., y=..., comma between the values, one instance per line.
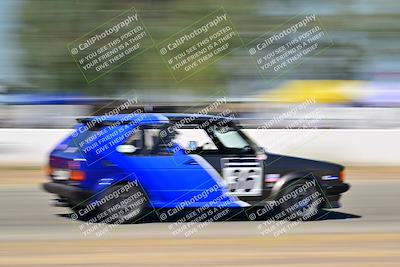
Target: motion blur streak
x=31, y=235
x=294, y=250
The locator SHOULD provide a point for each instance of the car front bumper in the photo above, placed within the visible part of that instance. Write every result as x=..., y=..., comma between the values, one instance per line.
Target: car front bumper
x=337, y=189
x=333, y=195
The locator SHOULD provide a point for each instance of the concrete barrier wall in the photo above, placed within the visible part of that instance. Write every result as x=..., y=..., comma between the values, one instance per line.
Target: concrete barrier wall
x=22, y=147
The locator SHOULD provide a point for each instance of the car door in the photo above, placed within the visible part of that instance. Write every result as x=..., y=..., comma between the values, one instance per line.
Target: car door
x=172, y=178
x=241, y=167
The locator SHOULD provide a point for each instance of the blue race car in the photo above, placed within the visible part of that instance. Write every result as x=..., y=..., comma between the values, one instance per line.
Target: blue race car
x=118, y=167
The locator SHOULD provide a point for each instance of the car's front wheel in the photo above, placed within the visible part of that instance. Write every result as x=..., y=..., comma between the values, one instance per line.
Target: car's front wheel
x=300, y=200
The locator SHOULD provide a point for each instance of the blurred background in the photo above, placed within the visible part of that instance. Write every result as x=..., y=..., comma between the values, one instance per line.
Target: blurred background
x=350, y=91
x=355, y=82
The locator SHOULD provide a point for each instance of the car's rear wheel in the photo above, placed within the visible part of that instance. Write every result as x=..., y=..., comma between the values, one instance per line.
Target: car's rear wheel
x=300, y=200
x=124, y=204
x=120, y=203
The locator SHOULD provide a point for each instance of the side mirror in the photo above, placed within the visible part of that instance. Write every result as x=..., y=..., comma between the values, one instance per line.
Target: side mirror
x=261, y=153
x=261, y=150
x=126, y=149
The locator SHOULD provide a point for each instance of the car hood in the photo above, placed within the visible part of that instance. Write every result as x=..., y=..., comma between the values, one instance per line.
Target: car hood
x=283, y=164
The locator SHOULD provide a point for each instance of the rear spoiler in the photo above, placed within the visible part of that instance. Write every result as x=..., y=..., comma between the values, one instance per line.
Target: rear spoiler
x=84, y=119
x=96, y=122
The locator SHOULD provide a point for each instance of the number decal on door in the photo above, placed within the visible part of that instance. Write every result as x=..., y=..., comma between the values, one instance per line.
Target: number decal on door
x=243, y=178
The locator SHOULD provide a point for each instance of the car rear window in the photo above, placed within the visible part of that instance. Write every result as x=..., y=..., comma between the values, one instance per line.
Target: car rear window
x=83, y=137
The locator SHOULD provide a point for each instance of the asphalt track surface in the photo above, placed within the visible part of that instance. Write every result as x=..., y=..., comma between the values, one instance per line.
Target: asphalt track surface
x=364, y=232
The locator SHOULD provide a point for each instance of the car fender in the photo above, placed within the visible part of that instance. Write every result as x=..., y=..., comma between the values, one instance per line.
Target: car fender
x=287, y=178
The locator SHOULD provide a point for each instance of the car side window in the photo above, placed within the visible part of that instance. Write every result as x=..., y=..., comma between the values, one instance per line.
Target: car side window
x=151, y=137
x=148, y=141
x=136, y=140
x=159, y=141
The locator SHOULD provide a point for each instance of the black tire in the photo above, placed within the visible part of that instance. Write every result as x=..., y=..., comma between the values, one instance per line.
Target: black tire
x=128, y=207
x=118, y=204
x=300, y=200
x=79, y=213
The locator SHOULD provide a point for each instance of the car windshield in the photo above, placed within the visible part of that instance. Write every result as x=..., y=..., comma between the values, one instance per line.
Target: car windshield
x=229, y=137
